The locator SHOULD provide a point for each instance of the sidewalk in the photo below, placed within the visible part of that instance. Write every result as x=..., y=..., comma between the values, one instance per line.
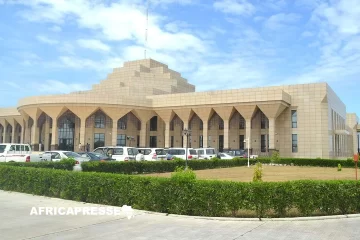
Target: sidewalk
x=16, y=223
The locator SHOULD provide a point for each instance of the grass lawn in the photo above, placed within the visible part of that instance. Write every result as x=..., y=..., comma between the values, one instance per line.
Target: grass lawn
x=272, y=173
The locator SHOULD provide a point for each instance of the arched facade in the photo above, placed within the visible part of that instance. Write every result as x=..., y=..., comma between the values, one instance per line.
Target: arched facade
x=146, y=104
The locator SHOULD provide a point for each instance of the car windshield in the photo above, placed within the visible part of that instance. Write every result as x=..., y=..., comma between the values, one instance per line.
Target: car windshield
x=71, y=154
x=160, y=152
x=210, y=151
x=2, y=148
x=192, y=152
x=133, y=151
x=94, y=156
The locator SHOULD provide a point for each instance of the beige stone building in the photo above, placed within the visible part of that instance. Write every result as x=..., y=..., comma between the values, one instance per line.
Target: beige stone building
x=144, y=103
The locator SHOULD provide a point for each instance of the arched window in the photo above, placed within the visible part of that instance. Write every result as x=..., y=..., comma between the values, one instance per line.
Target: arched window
x=122, y=123
x=99, y=120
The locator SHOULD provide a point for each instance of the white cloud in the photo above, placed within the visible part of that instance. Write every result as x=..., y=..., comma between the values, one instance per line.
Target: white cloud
x=307, y=34
x=54, y=86
x=55, y=28
x=238, y=7
x=281, y=20
x=116, y=22
x=344, y=15
x=93, y=44
x=45, y=39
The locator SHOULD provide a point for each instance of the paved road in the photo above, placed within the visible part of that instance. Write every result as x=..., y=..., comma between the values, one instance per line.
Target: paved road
x=17, y=223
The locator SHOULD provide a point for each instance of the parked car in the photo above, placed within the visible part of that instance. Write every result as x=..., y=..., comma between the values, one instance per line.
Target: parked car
x=58, y=155
x=121, y=153
x=239, y=153
x=153, y=154
x=181, y=153
x=95, y=156
x=224, y=156
x=206, y=153
x=15, y=152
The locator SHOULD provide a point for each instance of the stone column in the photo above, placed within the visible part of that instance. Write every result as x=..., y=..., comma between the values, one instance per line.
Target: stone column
x=186, y=126
x=13, y=140
x=167, y=134
x=248, y=133
x=82, y=135
x=46, y=137
x=35, y=136
x=143, y=134
x=54, y=135
x=226, y=134
x=205, y=134
x=22, y=133
x=271, y=134
x=114, y=132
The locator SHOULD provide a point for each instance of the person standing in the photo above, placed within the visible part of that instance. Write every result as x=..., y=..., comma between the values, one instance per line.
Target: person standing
x=88, y=147
x=79, y=147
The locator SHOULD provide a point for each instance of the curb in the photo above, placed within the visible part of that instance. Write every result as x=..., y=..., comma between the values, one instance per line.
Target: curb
x=142, y=212
x=315, y=218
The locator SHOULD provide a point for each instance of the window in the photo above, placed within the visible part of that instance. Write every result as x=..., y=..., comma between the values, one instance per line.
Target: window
x=100, y=150
x=99, y=121
x=172, y=125
x=71, y=154
x=201, y=125
x=192, y=152
x=210, y=151
x=264, y=121
x=201, y=142
x=201, y=152
x=121, y=140
x=153, y=141
x=172, y=141
x=293, y=118
x=241, y=141
x=263, y=143
x=242, y=123
x=2, y=148
x=153, y=123
x=138, y=141
x=118, y=151
x=99, y=140
x=221, y=124
x=294, y=143
x=122, y=123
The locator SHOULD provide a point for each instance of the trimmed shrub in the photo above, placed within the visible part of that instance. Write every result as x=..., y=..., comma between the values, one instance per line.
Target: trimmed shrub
x=257, y=177
x=181, y=174
x=133, y=167
x=191, y=197
x=64, y=164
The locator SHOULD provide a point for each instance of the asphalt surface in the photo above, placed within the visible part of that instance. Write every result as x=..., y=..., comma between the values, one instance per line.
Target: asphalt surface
x=17, y=223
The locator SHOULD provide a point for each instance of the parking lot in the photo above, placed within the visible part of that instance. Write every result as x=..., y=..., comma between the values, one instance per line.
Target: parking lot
x=17, y=223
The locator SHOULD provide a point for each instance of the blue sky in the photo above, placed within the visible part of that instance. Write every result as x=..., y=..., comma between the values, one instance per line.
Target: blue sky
x=60, y=46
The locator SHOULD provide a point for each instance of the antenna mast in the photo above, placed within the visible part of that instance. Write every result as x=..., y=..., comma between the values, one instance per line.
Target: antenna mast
x=146, y=27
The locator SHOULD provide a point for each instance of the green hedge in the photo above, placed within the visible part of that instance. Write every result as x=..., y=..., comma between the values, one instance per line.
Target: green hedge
x=190, y=197
x=162, y=166
x=169, y=166
x=65, y=164
x=314, y=162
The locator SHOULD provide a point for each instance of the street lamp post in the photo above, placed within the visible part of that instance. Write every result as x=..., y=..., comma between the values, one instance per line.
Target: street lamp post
x=247, y=140
x=186, y=133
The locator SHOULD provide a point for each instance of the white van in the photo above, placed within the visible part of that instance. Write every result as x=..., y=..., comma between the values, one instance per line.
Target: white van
x=181, y=153
x=206, y=153
x=153, y=154
x=121, y=153
x=14, y=152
